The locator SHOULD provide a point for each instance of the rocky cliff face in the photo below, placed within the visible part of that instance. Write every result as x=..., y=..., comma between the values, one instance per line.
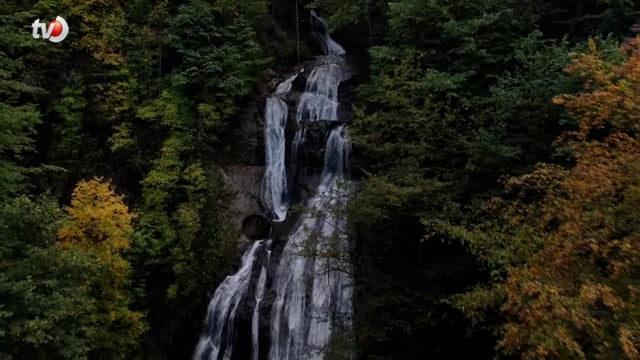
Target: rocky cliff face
x=244, y=178
x=245, y=182
x=248, y=145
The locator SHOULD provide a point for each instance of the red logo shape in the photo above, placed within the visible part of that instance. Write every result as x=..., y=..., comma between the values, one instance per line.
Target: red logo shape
x=56, y=27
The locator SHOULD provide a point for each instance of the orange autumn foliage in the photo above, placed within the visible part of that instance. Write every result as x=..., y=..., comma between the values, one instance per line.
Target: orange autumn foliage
x=579, y=295
x=610, y=99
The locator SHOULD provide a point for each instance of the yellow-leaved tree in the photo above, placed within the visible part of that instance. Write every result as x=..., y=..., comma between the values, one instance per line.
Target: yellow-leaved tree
x=99, y=224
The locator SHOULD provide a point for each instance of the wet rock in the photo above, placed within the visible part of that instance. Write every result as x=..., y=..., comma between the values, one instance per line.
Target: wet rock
x=300, y=82
x=347, y=93
x=268, y=72
x=248, y=145
x=311, y=152
x=303, y=172
x=256, y=227
x=245, y=184
x=291, y=98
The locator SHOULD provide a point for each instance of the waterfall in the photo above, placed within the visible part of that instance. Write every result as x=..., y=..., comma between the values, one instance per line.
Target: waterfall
x=285, y=86
x=275, y=178
x=312, y=289
x=298, y=140
x=320, y=99
x=302, y=323
x=218, y=334
x=255, y=319
x=330, y=47
x=336, y=154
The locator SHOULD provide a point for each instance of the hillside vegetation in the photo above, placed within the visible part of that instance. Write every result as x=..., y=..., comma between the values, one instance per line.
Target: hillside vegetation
x=496, y=147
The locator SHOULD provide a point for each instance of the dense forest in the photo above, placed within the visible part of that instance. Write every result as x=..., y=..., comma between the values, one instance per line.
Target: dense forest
x=496, y=146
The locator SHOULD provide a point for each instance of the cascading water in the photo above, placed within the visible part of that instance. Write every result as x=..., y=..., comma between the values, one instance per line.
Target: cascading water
x=275, y=178
x=313, y=297
x=217, y=338
x=310, y=292
x=330, y=47
x=320, y=99
x=313, y=291
x=285, y=86
x=255, y=319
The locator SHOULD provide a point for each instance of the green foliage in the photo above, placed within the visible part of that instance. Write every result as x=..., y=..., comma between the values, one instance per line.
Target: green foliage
x=446, y=112
x=517, y=122
x=144, y=97
x=17, y=124
x=218, y=49
x=465, y=37
x=99, y=27
x=340, y=347
x=182, y=239
x=451, y=216
x=53, y=305
x=584, y=17
x=70, y=137
x=46, y=308
x=18, y=118
x=99, y=225
x=413, y=107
